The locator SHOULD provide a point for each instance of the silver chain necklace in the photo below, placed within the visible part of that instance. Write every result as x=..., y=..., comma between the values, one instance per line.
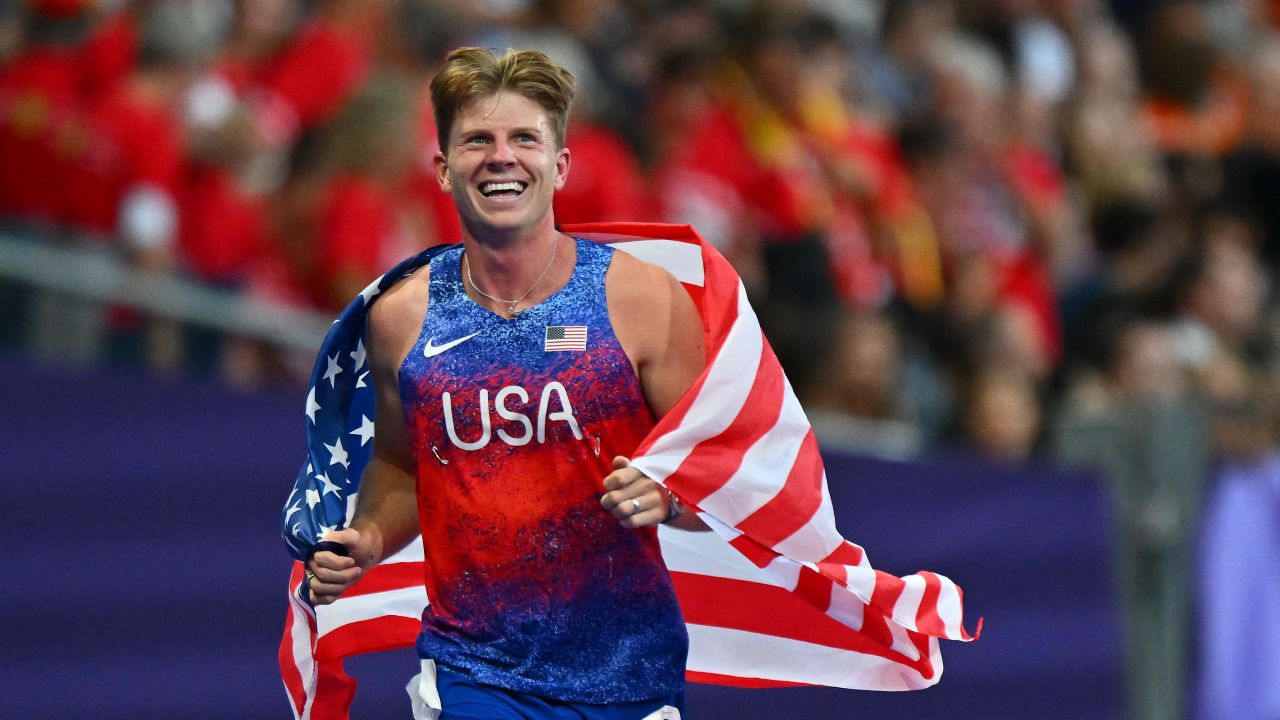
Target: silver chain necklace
x=511, y=304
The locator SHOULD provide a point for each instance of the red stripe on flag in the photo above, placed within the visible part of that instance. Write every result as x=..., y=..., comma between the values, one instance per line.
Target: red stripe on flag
x=769, y=610
x=334, y=690
x=735, y=681
x=887, y=591
x=293, y=682
x=758, y=554
x=712, y=462
x=814, y=588
x=927, y=619
x=386, y=632
x=382, y=578
x=846, y=554
x=795, y=504
x=835, y=572
x=720, y=303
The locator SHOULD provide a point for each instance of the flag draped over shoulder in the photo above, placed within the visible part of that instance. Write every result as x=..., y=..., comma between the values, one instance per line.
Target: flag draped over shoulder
x=774, y=596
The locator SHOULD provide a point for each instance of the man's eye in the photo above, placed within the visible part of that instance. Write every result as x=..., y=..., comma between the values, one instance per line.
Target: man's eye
x=526, y=138
x=475, y=140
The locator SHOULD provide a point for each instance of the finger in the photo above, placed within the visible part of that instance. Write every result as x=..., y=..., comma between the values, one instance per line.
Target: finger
x=323, y=598
x=320, y=587
x=349, y=539
x=620, y=462
x=643, y=511
x=631, y=501
x=621, y=478
x=614, y=499
x=325, y=589
x=330, y=561
x=339, y=577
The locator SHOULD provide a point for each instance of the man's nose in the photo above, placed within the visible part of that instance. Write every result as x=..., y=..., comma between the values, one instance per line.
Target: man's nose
x=502, y=154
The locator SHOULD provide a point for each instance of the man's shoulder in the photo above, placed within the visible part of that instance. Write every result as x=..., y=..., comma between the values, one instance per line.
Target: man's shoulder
x=638, y=278
x=400, y=308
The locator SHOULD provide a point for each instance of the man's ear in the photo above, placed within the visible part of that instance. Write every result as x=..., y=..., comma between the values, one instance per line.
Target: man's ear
x=562, y=168
x=442, y=171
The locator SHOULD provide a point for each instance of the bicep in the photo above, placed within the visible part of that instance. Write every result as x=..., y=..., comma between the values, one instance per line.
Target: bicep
x=391, y=443
x=385, y=352
x=678, y=359
x=659, y=328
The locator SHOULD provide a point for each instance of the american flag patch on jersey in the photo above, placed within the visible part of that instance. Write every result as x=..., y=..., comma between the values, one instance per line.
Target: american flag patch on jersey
x=565, y=337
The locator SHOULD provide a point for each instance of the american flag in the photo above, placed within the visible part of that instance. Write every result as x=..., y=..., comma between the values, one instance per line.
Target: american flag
x=565, y=337
x=774, y=596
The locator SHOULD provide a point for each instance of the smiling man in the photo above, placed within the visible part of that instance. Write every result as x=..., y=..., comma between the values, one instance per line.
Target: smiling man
x=514, y=375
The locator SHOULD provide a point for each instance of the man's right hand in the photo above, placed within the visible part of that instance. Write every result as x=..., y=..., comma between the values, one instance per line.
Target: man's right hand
x=329, y=574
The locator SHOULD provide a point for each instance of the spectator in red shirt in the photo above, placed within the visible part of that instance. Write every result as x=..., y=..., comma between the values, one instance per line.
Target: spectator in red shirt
x=342, y=219
x=39, y=96
x=110, y=54
x=321, y=66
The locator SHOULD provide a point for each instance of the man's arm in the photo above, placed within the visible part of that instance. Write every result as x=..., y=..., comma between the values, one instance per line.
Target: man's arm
x=386, y=517
x=659, y=328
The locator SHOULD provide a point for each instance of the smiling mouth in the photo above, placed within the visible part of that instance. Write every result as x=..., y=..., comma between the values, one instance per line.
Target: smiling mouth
x=506, y=189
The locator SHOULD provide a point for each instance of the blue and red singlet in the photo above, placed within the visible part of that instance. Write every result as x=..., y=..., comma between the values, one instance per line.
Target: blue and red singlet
x=534, y=587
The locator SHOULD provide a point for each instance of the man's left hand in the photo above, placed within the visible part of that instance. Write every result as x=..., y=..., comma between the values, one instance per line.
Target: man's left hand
x=633, y=497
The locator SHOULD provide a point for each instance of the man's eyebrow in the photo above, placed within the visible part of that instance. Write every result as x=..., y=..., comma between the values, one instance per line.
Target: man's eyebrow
x=530, y=130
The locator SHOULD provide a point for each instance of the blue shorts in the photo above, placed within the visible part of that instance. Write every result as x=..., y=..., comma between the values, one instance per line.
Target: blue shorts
x=464, y=699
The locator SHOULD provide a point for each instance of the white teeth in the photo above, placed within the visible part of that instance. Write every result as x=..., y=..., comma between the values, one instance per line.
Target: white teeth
x=495, y=187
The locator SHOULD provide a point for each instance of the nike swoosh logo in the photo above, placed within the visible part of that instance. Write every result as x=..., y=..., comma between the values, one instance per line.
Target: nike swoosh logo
x=432, y=350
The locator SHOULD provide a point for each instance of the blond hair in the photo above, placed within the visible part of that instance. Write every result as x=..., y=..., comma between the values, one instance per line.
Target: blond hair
x=473, y=72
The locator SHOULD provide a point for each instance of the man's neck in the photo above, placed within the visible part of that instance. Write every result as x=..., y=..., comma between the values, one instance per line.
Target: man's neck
x=508, y=268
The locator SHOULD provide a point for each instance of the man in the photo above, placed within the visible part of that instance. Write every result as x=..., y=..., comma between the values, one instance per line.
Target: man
x=511, y=374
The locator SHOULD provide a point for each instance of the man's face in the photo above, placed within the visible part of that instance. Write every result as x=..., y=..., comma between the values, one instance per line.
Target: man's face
x=502, y=165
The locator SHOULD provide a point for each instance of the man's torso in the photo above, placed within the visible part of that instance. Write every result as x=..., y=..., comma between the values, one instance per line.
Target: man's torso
x=513, y=424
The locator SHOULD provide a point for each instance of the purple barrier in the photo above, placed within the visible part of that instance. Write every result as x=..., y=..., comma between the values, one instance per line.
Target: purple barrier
x=150, y=578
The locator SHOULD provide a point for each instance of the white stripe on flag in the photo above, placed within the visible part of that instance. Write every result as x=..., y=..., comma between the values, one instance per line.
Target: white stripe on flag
x=907, y=608
x=706, y=554
x=412, y=552
x=752, y=655
x=949, y=607
x=404, y=602
x=861, y=580
x=682, y=259
x=301, y=654
x=846, y=607
x=902, y=641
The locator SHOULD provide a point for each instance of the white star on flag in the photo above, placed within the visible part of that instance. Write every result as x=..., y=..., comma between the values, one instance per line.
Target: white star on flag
x=360, y=380
x=332, y=371
x=313, y=498
x=337, y=453
x=358, y=355
x=365, y=431
x=312, y=407
x=326, y=529
x=329, y=487
x=370, y=291
x=292, y=510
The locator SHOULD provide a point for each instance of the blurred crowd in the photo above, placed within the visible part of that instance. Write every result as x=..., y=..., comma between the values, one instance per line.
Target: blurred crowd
x=960, y=220
x=963, y=222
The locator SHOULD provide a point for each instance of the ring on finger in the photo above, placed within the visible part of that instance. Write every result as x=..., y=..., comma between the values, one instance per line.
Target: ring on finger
x=635, y=505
